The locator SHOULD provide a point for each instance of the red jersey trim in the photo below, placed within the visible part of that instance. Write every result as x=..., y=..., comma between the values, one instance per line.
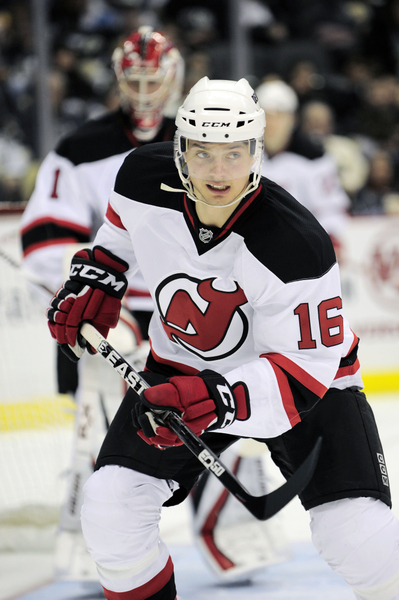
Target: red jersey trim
x=351, y=369
x=286, y=395
x=240, y=211
x=302, y=376
x=60, y=222
x=345, y=371
x=53, y=242
x=114, y=218
x=233, y=220
x=148, y=589
x=355, y=341
x=188, y=212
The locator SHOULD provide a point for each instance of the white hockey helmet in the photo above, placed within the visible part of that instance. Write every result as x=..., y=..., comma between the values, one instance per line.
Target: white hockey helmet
x=150, y=74
x=220, y=111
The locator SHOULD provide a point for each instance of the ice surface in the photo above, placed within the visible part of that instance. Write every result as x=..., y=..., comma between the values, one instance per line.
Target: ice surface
x=306, y=577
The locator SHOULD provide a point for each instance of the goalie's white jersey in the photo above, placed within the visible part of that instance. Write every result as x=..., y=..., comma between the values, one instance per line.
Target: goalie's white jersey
x=71, y=195
x=258, y=300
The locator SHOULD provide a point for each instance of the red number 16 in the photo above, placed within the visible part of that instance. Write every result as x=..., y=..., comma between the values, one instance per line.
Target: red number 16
x=326, y=324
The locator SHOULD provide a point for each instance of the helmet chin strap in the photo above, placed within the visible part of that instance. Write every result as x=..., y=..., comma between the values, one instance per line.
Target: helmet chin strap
x=188, y=187
x=202, y=200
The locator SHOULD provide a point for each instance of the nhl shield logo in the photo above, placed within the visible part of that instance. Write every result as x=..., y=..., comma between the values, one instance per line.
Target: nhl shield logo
x=205, y=235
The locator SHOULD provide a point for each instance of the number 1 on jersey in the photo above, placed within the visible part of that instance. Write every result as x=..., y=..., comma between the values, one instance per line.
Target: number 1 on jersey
x=56, y=177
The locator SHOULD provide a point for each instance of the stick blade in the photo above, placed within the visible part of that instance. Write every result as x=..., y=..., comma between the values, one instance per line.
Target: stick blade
x=265, y=507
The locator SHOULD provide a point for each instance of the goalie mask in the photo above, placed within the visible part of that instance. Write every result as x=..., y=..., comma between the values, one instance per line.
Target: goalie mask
x=219, y=141
x=150, y=74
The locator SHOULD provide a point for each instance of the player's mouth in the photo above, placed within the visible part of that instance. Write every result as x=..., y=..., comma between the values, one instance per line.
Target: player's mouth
x=218, y=188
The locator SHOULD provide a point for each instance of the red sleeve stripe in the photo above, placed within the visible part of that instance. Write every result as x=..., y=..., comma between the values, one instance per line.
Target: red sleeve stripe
x=66, y=224
x=293, y=369
x=45, y=243
x=286, y=395
x=114, y=218
x=148, y=589
x=345, y=371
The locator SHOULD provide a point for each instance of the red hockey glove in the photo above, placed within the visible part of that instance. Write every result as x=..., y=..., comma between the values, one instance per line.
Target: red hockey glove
x=206, y=401
x=92, y=293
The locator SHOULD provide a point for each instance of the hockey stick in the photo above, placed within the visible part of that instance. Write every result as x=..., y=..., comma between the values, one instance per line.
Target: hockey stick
x=261, y=507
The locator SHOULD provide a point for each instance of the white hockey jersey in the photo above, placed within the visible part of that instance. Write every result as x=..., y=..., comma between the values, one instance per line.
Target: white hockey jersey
x=70, y=198
x=258, y=301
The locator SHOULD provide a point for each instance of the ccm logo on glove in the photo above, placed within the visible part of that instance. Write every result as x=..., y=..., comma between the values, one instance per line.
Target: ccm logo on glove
x=227, y=397
x=111, y=282
x=205, y=401
x=92, y=293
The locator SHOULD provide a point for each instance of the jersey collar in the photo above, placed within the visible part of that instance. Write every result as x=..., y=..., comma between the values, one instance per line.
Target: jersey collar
x=206, y=237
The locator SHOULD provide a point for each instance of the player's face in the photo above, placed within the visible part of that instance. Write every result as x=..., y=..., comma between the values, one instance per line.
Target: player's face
x=218, y=172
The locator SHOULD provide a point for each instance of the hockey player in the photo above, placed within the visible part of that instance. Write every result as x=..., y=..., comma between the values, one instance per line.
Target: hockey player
x=67, y=207
x=297, y=163
x=306, y=171
x=248, y=339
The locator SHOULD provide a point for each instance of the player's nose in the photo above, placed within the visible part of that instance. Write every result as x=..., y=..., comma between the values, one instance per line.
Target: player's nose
x=218, y=168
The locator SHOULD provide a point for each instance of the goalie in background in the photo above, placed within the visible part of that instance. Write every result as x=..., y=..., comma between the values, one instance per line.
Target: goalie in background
x=64, y=213
x=248, y=340
x=66, y=209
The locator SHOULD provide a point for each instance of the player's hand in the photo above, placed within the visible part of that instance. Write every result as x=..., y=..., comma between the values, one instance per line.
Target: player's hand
x=205, y=401
x=92, y=293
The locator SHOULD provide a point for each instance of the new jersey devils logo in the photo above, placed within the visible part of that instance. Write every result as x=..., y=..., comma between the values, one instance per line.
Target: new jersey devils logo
x=203, y=316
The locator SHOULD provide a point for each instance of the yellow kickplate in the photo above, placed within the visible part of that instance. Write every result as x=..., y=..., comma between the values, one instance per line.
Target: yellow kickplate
x=38, y=412
x=381, y=382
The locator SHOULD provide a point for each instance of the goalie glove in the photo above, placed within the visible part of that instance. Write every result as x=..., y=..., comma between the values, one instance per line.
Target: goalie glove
x=92, y=293
x=205, y=401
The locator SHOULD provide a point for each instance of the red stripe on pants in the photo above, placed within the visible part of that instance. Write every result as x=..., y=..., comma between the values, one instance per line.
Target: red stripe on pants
x=144, y=592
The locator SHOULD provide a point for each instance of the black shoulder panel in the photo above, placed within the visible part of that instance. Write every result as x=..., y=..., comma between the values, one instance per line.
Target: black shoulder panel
x=106, y=136
x=285, y=237
x=142, y=173
x=95, y=140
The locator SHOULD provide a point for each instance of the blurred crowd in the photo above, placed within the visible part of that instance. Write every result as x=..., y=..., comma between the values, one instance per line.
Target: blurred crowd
x=341, y=58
